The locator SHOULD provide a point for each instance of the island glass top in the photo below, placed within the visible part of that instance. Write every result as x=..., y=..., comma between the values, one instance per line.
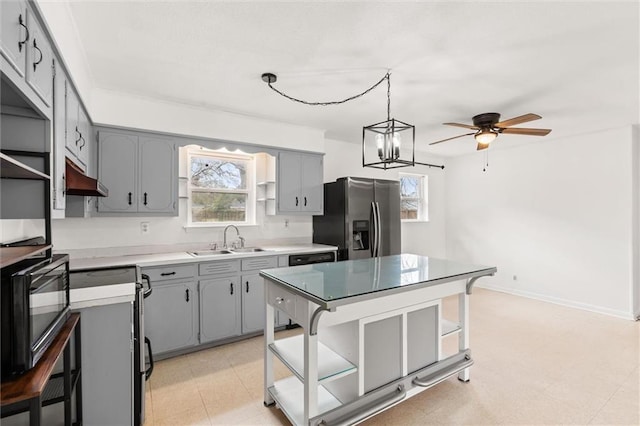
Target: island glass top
x=341, y=280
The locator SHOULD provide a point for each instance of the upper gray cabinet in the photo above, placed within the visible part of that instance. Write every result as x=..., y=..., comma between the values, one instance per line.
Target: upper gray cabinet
x=140, y=171
x=14, y=34
x=39, y=60
x=27, y=55
x=299, y=183
x=78, y=134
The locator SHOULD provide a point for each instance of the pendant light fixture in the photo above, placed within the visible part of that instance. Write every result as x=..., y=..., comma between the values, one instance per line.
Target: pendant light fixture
x=382, y=143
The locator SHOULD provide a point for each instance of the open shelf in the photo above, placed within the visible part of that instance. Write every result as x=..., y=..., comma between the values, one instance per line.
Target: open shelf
x=449, y=327
x=11, y=255
x=331, y=366
x=267, y=182
x=11, y=168
x=289, y=395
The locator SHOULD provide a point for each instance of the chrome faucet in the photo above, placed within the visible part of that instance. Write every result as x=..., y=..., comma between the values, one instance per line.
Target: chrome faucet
x=237, y=232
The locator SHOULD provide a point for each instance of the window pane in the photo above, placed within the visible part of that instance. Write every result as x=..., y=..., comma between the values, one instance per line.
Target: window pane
x=218, y=207
x=409, y=187
x=218, y=173
x=409, y=209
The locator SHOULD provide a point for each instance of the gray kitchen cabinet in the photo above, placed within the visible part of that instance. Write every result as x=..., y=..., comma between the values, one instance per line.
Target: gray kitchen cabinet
x=39, y=60
x=78, y=131
x=252, y=303
x=140, y=172
x=299, y=183
x=117, y=161
x=220, y=307
x=107, y=364
x=171, y=315
x=59, y=134
x=27, y=55
x=13, y=34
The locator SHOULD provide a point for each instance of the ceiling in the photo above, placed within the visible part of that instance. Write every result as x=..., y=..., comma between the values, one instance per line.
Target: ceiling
x=575, y=64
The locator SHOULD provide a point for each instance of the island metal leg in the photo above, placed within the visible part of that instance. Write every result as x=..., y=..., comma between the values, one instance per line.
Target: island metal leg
x=463, y=336
x=269, y=338
x=310, y=367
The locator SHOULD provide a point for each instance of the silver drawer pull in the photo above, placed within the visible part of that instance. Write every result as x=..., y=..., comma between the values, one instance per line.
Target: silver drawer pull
x=279, y=300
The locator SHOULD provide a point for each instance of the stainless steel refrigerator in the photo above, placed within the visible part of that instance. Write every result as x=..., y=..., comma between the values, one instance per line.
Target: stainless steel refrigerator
x=361, y=217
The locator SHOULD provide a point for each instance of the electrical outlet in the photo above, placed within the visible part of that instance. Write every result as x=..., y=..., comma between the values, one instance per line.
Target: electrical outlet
x=144, y=227
x=515, y=278
x=286, y=223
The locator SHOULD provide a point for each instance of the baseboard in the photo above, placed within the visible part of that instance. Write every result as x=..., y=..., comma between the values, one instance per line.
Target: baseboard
x=562, y=302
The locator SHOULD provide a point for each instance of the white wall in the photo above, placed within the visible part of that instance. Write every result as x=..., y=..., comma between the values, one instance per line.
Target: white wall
x=61, y=23
x=556, y=214
x=121, y=109
x=425, y=238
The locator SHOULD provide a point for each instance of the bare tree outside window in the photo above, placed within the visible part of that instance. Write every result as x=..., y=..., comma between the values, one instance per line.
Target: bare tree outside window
x=219, y=188
x=413, y=205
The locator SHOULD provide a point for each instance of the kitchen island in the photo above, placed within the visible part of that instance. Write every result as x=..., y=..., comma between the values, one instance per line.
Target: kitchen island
x=372, y=331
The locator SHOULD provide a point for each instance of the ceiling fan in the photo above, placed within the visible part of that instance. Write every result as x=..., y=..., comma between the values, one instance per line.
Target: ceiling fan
x=488, y=126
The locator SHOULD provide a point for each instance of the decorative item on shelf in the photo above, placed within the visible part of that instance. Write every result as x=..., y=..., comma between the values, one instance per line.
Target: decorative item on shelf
x=383, y=140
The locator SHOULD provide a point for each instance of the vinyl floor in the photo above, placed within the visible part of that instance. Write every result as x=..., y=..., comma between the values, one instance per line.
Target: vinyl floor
x=536, y=363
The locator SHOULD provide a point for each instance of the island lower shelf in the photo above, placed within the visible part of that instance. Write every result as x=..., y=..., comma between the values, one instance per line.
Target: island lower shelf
x=331, y=366
x=289, y=396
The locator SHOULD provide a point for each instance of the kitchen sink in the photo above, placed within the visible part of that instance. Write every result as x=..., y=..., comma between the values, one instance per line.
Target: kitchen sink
x=247, y=250
x=209, y=252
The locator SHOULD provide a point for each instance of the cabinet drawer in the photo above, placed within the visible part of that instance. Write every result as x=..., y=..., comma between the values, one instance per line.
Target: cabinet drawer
x=282, y=299
x=169, y=272
x=221, y=267
x=259, y=263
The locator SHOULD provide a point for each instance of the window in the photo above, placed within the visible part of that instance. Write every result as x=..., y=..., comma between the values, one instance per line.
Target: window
x=413, y=197
x=221, y=188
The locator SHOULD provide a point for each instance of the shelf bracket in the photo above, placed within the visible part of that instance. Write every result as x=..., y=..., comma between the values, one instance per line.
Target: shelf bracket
x=315, y=317
x=472, y=281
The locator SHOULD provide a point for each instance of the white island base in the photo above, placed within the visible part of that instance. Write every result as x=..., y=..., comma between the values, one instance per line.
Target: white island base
x=357, y=359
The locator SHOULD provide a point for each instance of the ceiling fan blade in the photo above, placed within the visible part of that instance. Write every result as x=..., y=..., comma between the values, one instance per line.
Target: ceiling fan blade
x=448, y=139
x=518, y=120
x=524, y=131
x=466, y=126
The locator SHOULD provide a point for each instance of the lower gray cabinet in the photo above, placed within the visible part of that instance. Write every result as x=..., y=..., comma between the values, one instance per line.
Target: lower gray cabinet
x=171, y=315
x=220, y=308
x=107, y=364
x=252, y=303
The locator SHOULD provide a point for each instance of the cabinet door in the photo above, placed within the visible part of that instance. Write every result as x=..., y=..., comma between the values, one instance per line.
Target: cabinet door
x=171, y=320
x=252, y=303
x=312, y=189
x=289, y=169
x=158, y=176
x=59, y=127
x=220, y=309
x=84, y=145
x=39, y=61
x=72, y=139
x=13, y=33
x=117, y=161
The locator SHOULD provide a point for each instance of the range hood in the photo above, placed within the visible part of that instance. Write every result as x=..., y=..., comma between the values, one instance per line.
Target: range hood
x=80, y=184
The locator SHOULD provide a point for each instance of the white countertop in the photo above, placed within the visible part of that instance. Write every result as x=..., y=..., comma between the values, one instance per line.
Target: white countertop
x=80, y=298
x=160, y=259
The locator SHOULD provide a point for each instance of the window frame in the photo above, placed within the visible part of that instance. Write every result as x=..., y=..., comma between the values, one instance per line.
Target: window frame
x=423, y=203
x=250, y=212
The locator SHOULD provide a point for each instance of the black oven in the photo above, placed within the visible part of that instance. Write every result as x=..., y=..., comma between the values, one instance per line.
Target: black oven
x=34, y=302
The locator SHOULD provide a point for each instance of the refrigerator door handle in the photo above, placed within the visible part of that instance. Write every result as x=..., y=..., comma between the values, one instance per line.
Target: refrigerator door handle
x=374, y=221
x=378, y=233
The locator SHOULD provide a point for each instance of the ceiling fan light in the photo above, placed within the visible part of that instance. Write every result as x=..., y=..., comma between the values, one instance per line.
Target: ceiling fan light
x=485, y=136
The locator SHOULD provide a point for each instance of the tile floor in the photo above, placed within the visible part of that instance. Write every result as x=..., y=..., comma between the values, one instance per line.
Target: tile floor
x=535, y=363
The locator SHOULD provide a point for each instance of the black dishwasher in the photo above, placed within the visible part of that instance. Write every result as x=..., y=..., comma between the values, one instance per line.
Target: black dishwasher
x=310, y=258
